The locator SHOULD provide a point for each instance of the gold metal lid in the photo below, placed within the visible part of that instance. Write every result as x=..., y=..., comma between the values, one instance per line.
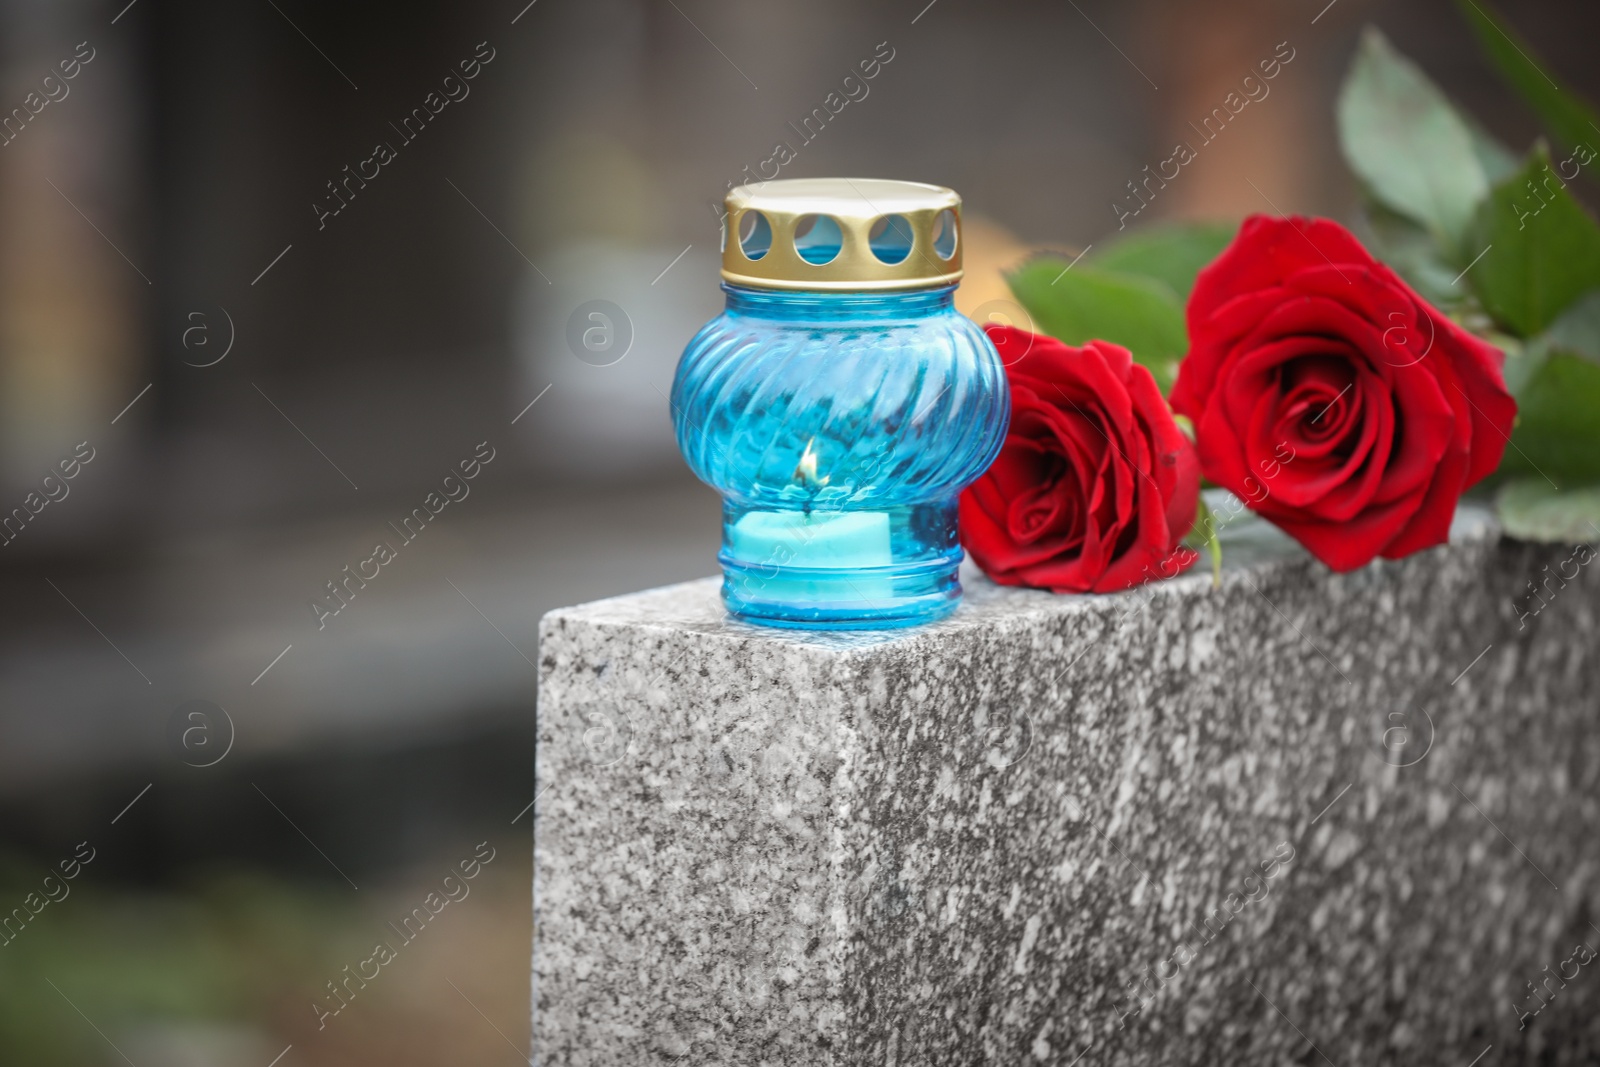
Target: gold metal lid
x=841, y=235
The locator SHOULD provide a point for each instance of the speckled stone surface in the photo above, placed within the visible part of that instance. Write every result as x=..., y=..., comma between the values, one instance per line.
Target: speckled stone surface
x=970, y=843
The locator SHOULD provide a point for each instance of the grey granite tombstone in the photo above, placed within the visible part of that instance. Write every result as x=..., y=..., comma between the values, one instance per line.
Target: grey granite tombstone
x=1300, y=818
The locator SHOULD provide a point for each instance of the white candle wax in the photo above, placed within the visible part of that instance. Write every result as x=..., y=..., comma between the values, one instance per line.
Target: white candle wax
x=780, y=545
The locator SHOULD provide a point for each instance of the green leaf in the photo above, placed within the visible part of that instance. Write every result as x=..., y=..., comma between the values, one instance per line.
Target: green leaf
x=1531, y=510
x=1498, y=161
x=1523, y=361
x=1406, y=142
x=1078, y=304
x=1171, y=253
x=1413, y=253
x=1571, y=120
x=1577, y=329
x=1540, y=248
x=1557, y=436
x=1203, y=534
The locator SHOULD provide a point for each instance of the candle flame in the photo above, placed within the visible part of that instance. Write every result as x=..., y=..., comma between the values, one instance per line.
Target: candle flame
x=805, y=472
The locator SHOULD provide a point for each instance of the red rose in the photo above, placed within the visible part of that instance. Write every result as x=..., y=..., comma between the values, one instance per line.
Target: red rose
x=1095, y=485
x=1332, y=397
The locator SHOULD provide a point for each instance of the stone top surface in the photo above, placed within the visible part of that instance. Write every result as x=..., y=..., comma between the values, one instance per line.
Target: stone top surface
x=1249, y=544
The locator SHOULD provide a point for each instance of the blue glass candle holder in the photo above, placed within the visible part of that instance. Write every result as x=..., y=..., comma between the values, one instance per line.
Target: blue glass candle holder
x=840, y=403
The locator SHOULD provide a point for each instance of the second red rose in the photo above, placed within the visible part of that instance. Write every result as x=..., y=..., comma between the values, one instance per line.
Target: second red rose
x=1096, y=484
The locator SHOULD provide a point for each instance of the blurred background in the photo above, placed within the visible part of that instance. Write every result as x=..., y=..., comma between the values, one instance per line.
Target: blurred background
x=274, y=340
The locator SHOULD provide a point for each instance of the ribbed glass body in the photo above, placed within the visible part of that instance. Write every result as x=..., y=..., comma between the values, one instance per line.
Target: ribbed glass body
x=840, y=429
